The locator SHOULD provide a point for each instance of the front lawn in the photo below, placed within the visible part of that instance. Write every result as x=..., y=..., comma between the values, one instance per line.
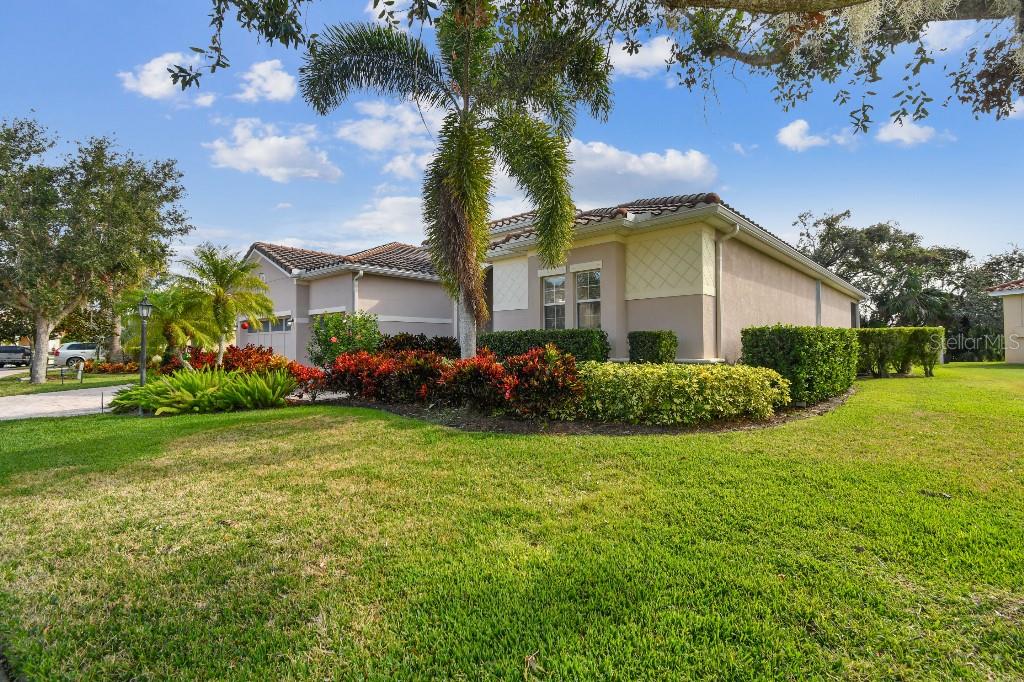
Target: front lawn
x=12, y=385
x=883, y=540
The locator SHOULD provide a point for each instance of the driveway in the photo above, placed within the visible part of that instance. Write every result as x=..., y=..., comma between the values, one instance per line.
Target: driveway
x=58, y=403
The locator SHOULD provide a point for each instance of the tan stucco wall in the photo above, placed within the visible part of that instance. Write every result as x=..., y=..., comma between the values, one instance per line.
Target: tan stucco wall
x=1013, y=328
x=690, y=317
x=394, y=296
x=331, y=292
x=758, y=289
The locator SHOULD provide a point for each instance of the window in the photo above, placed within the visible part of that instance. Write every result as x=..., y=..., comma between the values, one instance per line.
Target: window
x=281, y=324
x=588, y=299
x=554, y=302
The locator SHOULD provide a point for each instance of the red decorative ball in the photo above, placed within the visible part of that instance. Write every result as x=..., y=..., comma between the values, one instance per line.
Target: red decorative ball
x=245, y=325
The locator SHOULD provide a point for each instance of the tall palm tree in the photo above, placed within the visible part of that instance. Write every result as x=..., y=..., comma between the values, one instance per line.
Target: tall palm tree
x=510, y=102
x=179, y=318
x=230, y=286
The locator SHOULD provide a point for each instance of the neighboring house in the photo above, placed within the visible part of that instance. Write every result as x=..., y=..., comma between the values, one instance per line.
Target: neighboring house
x=395, y=281
x=691, y=264
x=1012, y=294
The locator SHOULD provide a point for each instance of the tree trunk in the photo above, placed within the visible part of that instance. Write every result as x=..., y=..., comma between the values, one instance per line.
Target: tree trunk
x=220, y=349
x=467, y=331
x=116, y=352
x=40, y=353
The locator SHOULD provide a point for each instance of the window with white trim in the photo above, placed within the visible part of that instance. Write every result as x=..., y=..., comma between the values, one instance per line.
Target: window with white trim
x=554, y=301
x=588, y=299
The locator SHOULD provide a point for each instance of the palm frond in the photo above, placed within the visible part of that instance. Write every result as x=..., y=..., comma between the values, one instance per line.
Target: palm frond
x=537, y=158
x=364, y=56
x=456, y=195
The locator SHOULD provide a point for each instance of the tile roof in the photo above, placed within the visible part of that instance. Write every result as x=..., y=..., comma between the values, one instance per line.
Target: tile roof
x=393, y=255
x=520, y=225
x=1008, y=286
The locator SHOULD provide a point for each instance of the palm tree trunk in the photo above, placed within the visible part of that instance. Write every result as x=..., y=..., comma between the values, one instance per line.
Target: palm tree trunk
x=116, y=353
x=220, y=348
x=466, y=330
x=40, y=354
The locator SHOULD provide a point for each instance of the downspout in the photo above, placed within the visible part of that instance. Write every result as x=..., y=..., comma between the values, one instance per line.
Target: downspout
x=355, y=290
x=720, y=240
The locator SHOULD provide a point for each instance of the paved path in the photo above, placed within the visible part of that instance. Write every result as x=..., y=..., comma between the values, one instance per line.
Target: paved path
x=57, y=403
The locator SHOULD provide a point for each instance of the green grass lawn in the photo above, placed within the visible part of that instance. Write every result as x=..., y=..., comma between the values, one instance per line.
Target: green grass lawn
x=883, y=540
x=11, y=385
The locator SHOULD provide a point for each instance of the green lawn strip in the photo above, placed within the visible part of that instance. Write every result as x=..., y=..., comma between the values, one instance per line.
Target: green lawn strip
x=885, y=539
x=14, y=386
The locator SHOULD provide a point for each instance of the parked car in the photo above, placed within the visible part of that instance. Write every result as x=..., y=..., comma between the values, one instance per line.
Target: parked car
x=74, y=352
x=19, y=356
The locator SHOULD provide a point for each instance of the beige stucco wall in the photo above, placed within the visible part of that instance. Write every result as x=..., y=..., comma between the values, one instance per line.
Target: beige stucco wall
x=757, y=289
x=690, y=317
x=331, y=293
x=1013, y=328
x=418, y=300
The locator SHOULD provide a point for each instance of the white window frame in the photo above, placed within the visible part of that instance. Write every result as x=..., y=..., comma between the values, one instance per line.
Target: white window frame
x=545, y=305
x=579, y=301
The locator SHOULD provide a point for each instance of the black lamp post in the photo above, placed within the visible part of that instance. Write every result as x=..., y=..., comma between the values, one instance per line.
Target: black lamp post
x=145, y=310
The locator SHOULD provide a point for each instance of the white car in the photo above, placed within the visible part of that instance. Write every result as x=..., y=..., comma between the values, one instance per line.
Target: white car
x=72, y=353
x=19, y=356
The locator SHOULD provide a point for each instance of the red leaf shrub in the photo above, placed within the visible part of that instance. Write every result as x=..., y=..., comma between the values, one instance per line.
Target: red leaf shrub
x=93, y=367
x=200, y=359
x=478, y=383
x=541, y=382
x=252, y=359
x=402, y=377
x=311, y=380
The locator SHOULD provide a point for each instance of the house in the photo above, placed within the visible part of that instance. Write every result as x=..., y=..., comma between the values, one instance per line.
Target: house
x=691, y=263
x=395, y=281
x=1012, y=294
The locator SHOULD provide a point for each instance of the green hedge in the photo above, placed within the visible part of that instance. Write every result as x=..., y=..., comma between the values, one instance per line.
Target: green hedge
x=678, y=394
x=885, y=350
x=819, y=362
x=584, y=344
x=658, y=345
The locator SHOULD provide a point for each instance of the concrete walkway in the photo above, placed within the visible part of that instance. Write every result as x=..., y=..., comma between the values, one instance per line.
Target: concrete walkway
x=58, y=403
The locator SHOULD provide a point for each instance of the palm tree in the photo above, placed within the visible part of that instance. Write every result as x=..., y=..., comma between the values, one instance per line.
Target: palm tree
x=179, y=318
x=229, y=285
x=511, y=102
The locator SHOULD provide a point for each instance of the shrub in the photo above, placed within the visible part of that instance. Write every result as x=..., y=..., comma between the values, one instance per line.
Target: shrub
x=584, y=344
x=445, y=346
x=310, y=380
x=478, y=382
x=818, y=362
x=898, y=349
x=207, y=391
x=93, y=367
x=252, y=359
x=679, y=394
x=653, y=346
x=542, y=382
x=335, y=333
x=402, y=377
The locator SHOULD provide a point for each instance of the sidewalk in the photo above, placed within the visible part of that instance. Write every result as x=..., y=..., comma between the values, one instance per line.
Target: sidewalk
x=58, y=403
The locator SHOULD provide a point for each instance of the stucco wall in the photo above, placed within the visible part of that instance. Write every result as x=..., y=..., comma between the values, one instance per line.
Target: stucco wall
x=331, y=292
x=690, y=317
x=1013, y=328
x=758, y=290
x=418, y=300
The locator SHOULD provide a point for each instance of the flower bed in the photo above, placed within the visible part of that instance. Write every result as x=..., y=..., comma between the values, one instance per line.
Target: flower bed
x=214, y=390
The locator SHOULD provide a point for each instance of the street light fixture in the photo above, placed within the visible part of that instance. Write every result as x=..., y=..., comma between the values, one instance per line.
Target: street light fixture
x=145, y=310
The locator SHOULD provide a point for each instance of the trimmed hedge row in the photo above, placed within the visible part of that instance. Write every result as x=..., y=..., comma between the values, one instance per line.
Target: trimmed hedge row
x=584, y=344
x=899, y=349
x=678, y=394
x=658, y=345
x=818, y=362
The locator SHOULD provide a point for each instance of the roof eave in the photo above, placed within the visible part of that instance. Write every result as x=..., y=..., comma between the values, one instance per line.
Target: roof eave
x=1006, y=292
x=331, y=270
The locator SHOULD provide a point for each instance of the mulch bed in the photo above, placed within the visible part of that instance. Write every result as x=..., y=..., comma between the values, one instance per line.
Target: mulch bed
x=468, y=420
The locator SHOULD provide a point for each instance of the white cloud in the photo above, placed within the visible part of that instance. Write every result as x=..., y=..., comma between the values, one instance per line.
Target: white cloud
x=906, y=133
x=152, y=80
x=743, y=150
x=391, y=127
x=383, y=219
x=649, y=61
x=259, y=147
x=267, y=81
x=283, y=205
x=1017, y=111
x=797, y=136
x=408, y=166
x=948, y=35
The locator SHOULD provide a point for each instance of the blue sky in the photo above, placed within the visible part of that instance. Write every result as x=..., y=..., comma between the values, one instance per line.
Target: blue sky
x=259, y=164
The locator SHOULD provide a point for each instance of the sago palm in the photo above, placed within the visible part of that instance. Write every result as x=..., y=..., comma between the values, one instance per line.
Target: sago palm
x=510, y=102
x=229, y=285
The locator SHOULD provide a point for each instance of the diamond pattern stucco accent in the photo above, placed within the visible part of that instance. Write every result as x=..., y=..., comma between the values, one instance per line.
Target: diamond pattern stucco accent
x=670, y=263
x=511, y=284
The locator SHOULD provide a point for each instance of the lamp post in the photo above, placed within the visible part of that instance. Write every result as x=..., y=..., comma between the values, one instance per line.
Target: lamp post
x=145, y=310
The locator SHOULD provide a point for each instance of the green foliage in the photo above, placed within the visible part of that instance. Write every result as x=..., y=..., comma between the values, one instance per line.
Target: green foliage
x=542, y=382
x=207, y=391
x=659, y=345
x=679, y=394
x=335, y=333
x=445, y=346
x=584, y=344
x=898, y=349
x=818, y=362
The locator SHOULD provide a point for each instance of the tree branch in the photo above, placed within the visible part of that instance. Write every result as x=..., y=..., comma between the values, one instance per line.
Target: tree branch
x=965, y=9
